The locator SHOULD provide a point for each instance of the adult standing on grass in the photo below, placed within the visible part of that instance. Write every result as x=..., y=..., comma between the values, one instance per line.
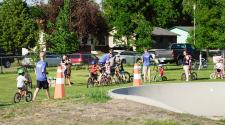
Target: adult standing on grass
x=186, y=64
x=41, y=77
x=105, y=57
x=146, y=59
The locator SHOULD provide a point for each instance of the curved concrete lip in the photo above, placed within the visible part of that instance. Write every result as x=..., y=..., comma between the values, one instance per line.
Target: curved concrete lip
x=201, y=99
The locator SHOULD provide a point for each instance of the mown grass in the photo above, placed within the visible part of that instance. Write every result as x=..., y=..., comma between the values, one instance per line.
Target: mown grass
x=79, y=90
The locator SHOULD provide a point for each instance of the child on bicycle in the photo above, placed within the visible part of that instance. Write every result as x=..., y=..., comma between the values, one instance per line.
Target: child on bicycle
x=94, y=68
x=107, y=68
x=22, y=89
x=219, y=67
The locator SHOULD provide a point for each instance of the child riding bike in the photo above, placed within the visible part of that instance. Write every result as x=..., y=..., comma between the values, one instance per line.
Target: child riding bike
x=22, y=89
x=94, y=68
x=218, y=69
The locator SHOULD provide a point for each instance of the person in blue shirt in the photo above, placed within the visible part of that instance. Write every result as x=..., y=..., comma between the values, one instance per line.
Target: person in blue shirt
x=41, y=76
x=146, y=59
x=105, y=57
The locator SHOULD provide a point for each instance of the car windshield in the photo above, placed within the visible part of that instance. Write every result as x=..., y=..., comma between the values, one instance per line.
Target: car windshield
x=74, y=56
x=178, y=46
x=87, y=56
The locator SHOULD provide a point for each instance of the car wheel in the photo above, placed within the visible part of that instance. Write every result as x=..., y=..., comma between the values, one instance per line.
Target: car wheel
x=179, y=61
x=7, y=64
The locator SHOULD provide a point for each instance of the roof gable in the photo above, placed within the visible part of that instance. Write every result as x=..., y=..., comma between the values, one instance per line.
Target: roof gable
x=157, y=31
x=184, y=28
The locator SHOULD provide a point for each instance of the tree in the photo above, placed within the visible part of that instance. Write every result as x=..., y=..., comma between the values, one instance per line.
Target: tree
x=17, y=28
x=62, y=40
x=85, y=18
x=135, y=19
x=210, y=23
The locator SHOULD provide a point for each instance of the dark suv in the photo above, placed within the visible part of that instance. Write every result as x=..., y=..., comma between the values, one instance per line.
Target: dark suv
x=82, y=58
x=5, y=59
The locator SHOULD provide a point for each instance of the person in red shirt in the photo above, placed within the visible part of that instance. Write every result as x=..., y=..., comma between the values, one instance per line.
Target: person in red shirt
x=94, y=70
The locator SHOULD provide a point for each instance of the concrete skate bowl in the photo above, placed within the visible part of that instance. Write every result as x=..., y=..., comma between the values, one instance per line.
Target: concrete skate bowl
x=201, y=99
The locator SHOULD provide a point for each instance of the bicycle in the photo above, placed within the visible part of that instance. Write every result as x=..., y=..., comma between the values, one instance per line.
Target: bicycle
x=91, y=82
x=18, y=96
x=159, y=74
x=197, y=63
x=217, y=74
x=121, y=76
x=193, y=76
x=105, y=79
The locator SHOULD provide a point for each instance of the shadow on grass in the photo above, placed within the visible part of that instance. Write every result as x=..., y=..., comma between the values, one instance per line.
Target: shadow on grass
x=174, y=68
x=203, y=79
x=2, y=104
x=171, y=80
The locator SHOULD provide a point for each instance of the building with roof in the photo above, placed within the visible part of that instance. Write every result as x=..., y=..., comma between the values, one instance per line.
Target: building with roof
x=183, y=32
x=161, y=38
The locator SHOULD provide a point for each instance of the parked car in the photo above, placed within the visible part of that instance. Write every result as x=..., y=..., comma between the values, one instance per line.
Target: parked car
x=175, y=53
x=129, y=57
x=52, y=59
x=5, y=59
x=82, y=58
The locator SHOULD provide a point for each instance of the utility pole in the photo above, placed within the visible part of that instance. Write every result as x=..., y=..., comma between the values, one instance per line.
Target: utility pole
x=194, y=8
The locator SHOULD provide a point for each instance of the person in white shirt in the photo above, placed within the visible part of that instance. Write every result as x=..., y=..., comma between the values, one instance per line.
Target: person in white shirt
x=22, y=89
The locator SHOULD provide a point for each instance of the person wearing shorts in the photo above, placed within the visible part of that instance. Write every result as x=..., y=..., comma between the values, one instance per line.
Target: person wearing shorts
x=146, y=59
x=41, y=76
x=66, y=63
x=186, y=64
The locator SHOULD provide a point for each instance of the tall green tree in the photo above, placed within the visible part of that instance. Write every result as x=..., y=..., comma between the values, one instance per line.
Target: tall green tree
x=17, y=28
x=135, y=19
x=210, y=23
x=62, y=40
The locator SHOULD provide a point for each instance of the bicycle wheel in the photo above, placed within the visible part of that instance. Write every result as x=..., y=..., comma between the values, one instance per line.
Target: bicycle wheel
x=117, y=79
x=131, y=78
x=17, y=97
x=90, y=83
x=126, y=76
x=102, y=81
x=164, y=78
x=29, y=96
x=183, y=76
x=212, y=75
x=194, y=76
x=154, y=78
x=122, y=79
x=108, y=80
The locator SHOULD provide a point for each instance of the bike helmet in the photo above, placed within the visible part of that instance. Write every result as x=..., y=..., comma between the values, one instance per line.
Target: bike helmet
x=160, y=65
x=20, y=71
x=93, y=62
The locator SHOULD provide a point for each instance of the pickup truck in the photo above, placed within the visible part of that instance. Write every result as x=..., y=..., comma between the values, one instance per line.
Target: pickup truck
x=5, y=59
x=175, y=53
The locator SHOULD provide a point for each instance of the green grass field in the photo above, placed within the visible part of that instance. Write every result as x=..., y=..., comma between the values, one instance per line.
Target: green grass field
x=79, y=77
x=79, y=93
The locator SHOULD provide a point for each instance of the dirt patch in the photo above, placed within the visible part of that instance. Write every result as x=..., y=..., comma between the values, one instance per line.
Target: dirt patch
x=111, y=112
